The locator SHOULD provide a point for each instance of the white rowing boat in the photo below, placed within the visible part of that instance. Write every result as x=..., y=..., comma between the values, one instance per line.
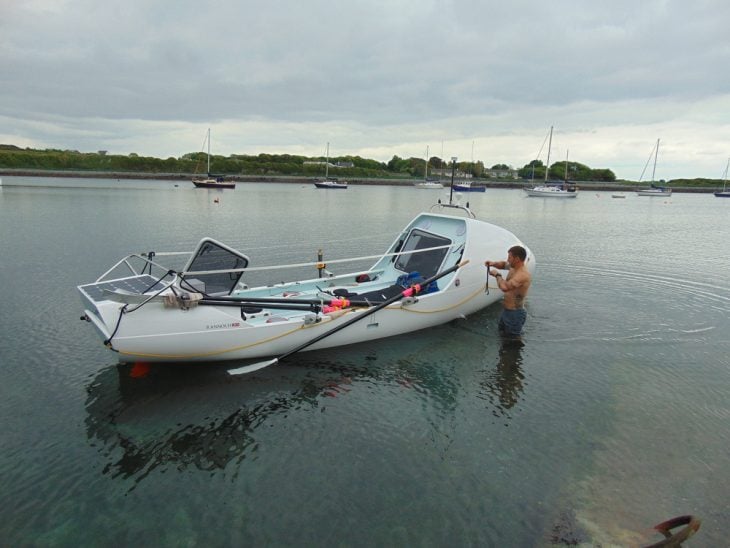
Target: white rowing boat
x=204, y=312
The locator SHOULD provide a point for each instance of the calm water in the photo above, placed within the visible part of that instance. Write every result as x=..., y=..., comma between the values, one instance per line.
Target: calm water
x=612, y=417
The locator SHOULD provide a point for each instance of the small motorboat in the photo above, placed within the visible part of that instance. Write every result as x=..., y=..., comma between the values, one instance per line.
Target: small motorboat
x=432, y=273
x=467, y=186
x=429, y=184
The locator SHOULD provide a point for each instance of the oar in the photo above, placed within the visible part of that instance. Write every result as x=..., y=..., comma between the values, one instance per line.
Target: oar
x=405, y=293
x=261, y=301
x=246, y=304
x=275, y=300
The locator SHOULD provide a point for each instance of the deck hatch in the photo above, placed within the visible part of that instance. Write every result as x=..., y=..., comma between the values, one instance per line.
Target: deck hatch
x=428, y=263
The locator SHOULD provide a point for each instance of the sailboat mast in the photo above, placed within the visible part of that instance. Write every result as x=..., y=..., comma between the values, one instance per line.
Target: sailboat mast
x=208, y=152
x=656, y=153
x=550, y=144
x=327, y=163
x=425, y=174
x=566, y=164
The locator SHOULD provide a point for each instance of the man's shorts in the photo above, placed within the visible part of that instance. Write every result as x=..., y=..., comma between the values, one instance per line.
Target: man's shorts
x=511, y=321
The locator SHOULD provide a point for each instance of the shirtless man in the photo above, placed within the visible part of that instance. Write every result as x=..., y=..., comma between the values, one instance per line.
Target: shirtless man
x=515, y=289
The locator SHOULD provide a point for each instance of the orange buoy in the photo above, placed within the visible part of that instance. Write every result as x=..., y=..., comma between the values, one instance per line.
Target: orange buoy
x=139, y=370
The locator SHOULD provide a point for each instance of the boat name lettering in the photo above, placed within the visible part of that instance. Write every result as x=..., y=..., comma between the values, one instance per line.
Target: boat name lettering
x=223, y=325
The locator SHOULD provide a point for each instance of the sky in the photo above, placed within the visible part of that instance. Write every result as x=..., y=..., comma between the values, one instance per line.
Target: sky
x=480, y=80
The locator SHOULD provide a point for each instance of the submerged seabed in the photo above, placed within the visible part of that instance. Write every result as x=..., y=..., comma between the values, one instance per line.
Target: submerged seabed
x=610, y=417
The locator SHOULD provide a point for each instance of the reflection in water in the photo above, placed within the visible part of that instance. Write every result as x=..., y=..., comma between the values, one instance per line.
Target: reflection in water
x=199, y=417
x=504, y=384
x=189, y=417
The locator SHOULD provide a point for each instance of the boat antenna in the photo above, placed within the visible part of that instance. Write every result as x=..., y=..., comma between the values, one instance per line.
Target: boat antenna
x=453, y=171
x=425, y=174
x=208, y=139
x=327, y=163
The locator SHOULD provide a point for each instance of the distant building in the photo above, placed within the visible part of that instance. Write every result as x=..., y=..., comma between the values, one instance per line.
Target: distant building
x=446, y=173
x=102, y=153
x=501, y=173
x=320, y=163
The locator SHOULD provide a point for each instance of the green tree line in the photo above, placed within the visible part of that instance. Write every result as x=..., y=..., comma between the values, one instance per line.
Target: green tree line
x=561, y=171
x=13, y=157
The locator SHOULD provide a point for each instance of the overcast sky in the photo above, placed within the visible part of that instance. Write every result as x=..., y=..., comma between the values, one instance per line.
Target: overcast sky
x=476, y=79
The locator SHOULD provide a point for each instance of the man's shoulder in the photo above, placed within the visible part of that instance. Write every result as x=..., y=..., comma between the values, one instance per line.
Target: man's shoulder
x=523, y=275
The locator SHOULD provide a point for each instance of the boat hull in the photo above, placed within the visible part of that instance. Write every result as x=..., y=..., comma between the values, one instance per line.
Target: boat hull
x=222, y=335
x=722, y=194
x=213, y=184
x=330, y=185
x=550, y=192
x=654, y=192
x=465, y=188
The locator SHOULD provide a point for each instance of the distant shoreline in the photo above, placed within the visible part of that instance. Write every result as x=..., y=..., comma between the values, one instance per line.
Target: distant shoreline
x=582, y=185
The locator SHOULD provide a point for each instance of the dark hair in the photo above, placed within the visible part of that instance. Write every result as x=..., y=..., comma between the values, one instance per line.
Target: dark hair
x=518, y=251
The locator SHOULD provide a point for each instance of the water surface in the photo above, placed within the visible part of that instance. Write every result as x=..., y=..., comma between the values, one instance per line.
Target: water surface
x=612, y=415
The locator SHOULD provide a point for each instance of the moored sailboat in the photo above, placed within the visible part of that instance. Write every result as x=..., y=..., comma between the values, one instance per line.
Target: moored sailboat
x=329, y=182
x=426, y=183
x=553, y=190
x=724, y=193
x=211, y=181
x=654, y=189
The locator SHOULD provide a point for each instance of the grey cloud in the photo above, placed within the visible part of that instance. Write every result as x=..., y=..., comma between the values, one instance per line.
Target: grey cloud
x=434, y=67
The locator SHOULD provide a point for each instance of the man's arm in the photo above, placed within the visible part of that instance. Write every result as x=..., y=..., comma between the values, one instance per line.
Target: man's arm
x=517, y=281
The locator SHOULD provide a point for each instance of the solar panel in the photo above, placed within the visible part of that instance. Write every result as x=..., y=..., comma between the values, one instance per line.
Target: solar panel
x=135, y=284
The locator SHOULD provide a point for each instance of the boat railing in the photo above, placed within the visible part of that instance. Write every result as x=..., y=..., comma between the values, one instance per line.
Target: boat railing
x=315, y=264
x=139, y=264
x=147, y=264
x=462, y=208
x=142, y=264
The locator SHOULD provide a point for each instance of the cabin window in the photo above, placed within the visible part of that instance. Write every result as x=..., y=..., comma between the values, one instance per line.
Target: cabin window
x=427, y=263
x=213, y=256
